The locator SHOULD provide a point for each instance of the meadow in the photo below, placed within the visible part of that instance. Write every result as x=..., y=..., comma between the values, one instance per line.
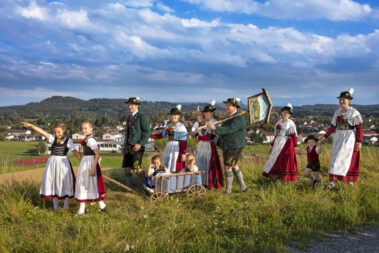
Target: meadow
x=269, y=217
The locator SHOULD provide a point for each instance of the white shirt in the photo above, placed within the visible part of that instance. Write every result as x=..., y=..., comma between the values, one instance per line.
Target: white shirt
x=92, y=144
x=70, y=143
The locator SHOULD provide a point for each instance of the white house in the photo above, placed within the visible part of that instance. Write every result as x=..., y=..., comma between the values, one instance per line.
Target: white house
x=114, y=136
x=110, y=145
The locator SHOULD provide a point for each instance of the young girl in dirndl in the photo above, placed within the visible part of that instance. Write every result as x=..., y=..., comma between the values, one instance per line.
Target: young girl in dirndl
x=207, y=158
x=58, y=180
x=174, y=154
x=347, y=142
x=282, y=163
x=89, y=182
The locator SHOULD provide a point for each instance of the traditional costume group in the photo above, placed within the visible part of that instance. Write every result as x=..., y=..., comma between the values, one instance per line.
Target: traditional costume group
x=59, y=179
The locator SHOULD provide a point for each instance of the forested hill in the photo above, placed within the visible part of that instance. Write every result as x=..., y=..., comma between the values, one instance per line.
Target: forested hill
x=63, y=107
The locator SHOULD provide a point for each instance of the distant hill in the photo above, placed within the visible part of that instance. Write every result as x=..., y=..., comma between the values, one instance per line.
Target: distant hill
x=63, y=107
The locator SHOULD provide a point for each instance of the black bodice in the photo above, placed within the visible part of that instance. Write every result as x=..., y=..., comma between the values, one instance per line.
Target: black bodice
x=87, y=150
x=59, y=149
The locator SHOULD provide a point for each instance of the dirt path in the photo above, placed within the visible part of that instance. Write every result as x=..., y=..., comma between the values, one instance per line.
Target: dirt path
x=34, y=175
x=365, y=240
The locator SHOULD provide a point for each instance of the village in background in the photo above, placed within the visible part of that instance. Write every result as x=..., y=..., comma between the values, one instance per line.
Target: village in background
x=109, y=131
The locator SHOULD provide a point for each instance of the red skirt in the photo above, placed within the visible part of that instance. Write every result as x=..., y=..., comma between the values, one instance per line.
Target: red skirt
x=285, y=165
x=215, y=178
x=353, y=172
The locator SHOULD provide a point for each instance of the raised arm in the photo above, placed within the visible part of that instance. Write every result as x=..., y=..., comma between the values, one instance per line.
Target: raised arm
x=37, y=129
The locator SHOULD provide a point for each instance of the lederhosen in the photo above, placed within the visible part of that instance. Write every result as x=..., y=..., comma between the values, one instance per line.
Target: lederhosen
x=131, y=158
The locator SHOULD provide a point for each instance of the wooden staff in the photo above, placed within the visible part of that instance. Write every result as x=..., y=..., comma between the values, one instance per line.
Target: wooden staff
x=223, y=120
x=119, y=184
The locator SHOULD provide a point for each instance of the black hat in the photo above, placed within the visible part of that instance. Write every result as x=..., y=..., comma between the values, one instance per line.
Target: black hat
x=176, y=110
x=133, y=100
x=210, y=108
x=233, y=101
x=311, y=137
x=347, y=94
x=288, y=108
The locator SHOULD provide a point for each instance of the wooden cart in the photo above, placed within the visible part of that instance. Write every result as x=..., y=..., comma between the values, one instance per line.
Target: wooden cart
x=185, y=182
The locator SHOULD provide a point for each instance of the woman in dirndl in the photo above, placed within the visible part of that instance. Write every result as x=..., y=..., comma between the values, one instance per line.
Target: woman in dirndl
x=174, y=154
x=282, y=163
x=347, y=142
x=207, y=158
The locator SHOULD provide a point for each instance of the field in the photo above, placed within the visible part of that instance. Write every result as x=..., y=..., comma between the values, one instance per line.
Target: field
x=269, y=217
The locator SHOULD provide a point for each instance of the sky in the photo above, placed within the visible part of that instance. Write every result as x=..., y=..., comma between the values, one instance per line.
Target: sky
x=302, y=52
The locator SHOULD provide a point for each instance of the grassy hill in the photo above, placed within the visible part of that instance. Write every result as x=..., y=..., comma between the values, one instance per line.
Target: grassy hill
x=269, y=217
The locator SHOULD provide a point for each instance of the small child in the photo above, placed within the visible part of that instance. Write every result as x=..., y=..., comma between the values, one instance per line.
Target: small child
x=190, y=163
x=156, y=168
x=313, y=151
x=89, y=182
x=58, y=180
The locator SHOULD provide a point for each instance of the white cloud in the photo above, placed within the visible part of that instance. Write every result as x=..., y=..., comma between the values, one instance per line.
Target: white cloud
x=33, y=11
x=74, y=19
x=163, y=7
x=139, y=3
x=336, y=10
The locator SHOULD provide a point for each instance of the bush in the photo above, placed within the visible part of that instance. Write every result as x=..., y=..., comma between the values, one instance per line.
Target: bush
x=41, y=148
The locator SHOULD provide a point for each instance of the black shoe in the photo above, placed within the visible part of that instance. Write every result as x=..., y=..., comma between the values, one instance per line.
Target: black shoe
x=104, y=209
x=245, y=190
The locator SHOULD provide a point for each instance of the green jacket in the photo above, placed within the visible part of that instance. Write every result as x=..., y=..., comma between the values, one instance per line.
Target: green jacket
x=139, y=129
x=232, y=133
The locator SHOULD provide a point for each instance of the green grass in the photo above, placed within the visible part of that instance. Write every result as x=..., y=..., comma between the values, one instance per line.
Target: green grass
x=13, y=151
x=269, y=217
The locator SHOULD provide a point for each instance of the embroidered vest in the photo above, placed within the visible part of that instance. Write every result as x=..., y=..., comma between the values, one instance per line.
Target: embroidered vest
x=312, y=155
x=59, y=149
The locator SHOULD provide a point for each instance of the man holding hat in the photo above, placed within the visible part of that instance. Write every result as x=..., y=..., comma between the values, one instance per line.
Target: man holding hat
x=137, y=133
x=231, y=135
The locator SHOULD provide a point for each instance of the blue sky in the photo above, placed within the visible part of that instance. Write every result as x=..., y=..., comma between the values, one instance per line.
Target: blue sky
x=302, y=52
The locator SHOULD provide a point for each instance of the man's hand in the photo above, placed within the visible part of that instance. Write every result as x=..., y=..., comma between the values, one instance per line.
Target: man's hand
x=211, y=126
x=183, y=158
x=136, y=147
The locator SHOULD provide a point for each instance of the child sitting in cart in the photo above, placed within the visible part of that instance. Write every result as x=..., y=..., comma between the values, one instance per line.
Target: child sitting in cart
x=156, y=168
x=190, y=163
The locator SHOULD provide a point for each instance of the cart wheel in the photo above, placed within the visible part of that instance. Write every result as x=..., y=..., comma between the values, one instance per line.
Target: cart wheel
x=196, y=190
x=158, y=196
